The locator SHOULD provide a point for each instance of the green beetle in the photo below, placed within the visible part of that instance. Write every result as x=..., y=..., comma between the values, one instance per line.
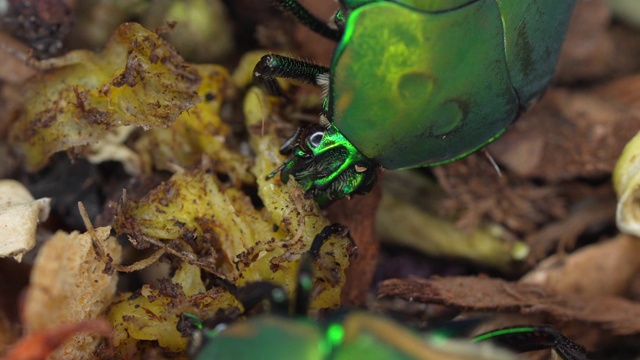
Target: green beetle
x=364, y=336
x=415, y=83
x=359, y=336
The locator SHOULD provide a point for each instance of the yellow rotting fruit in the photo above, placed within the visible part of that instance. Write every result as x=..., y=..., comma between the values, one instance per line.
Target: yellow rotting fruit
x=138, y=79
x=219, y=228
x=199, y=131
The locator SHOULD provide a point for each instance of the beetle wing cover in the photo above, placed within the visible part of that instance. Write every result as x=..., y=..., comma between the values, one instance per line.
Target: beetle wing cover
x=534, y=31
x=268, y=337
x=414, y=88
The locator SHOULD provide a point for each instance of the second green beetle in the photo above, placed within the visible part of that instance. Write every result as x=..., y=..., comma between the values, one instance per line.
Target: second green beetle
x=415, y=83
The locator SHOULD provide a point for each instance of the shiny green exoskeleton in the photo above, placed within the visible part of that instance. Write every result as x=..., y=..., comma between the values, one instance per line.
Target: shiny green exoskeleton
x=416, y=83
x=358, y=336
x=369, y=337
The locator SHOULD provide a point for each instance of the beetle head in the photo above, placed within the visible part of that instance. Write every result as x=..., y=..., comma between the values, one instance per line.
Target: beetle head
x=326, y=165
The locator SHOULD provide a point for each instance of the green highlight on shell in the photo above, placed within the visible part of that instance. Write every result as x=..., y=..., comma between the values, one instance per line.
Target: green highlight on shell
x=502, y=332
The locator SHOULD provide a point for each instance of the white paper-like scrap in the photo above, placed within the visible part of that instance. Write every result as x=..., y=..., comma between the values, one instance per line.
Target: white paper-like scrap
x=19, y=216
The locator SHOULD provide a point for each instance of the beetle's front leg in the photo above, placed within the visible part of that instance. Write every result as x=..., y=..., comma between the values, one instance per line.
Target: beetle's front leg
x=294, y=8
x=270, y=67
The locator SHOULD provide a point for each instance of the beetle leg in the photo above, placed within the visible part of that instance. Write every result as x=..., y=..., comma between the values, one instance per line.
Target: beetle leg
x=535, y=337
x=271, y=67
x=291, y=143
x=303, y=15
x=254, y=293
x=569, y=350
x=325, y=234
x=305, y=272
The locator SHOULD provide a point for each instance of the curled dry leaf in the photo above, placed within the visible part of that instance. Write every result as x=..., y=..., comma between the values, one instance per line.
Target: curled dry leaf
x=19, y=217
x=606, y=268
x=69, y=283
x=609, y=315
x=138, y=79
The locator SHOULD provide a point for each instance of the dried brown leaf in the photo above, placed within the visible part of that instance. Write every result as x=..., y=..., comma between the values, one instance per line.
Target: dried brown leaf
x=617, y=315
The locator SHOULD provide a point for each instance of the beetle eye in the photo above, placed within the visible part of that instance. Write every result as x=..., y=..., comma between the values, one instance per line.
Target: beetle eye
x=313, y=140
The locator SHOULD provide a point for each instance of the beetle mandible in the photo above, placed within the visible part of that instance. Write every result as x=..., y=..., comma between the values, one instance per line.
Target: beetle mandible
x=415, y=83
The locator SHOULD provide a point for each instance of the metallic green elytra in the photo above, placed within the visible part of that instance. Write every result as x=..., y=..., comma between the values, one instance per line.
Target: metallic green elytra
x=419, y=83
x=361, y=335
x=448, y=78
x=265, y=337
x=358, y=336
